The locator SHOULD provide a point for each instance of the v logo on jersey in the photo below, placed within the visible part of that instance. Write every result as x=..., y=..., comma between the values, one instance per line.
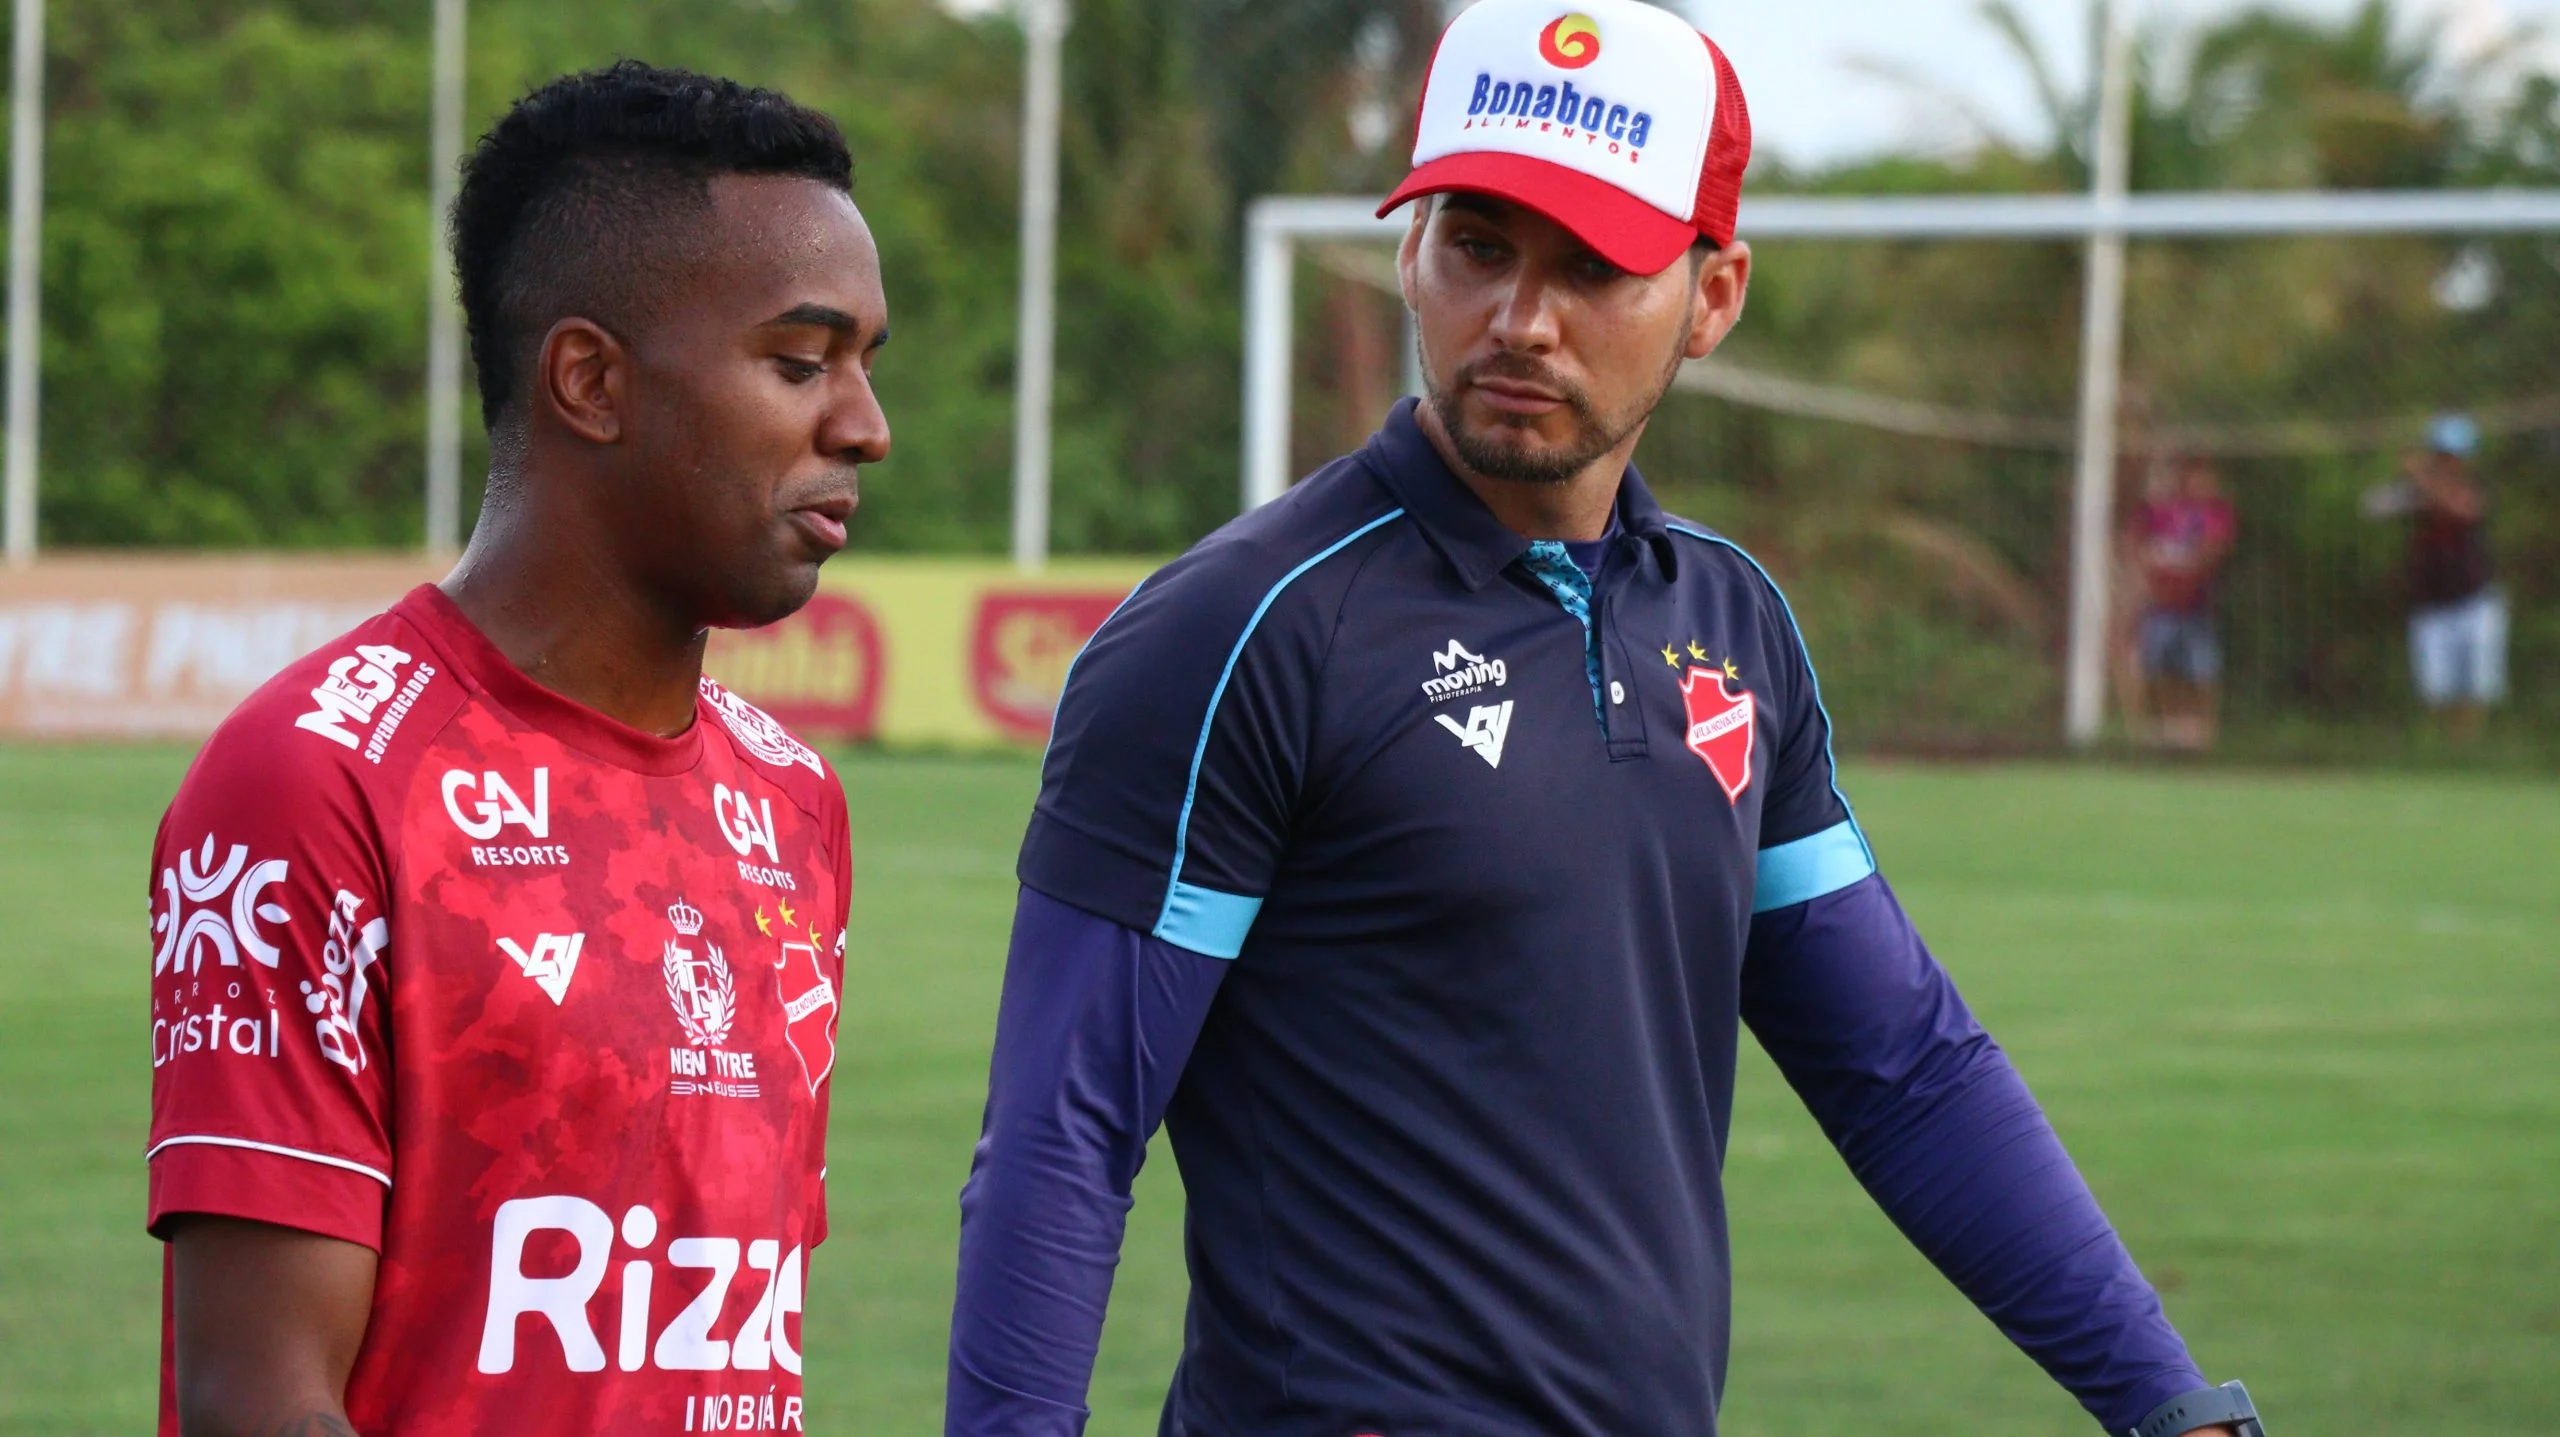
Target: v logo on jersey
x=551, y=964
x=1484, y=730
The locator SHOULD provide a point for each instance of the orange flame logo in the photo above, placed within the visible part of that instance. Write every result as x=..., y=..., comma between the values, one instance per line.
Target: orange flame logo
x=1571, y=42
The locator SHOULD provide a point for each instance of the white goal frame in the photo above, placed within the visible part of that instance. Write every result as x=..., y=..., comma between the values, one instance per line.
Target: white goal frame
x=1276, y=225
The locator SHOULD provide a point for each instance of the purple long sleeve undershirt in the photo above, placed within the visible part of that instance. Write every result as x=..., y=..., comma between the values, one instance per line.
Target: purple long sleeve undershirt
x=1097, y=1022
x=1092, y=1033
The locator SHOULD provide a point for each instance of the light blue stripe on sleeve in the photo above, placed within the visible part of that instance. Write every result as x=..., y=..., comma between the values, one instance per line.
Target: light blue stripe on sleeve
x=1175, y=889
x=1206, y=921
x=1808, y=868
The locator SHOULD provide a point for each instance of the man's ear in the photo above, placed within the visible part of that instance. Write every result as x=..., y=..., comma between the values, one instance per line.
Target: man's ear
x=1724, y=281
x=582, y=377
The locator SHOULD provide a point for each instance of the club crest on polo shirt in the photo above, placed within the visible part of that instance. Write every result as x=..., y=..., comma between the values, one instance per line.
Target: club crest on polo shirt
x=1722, y=719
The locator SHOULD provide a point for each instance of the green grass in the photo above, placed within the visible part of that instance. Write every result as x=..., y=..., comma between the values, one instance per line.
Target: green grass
x=2302, y=1032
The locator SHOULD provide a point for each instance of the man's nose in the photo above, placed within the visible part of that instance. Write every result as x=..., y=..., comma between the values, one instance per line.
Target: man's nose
x=1524, y=318
x=856, y=429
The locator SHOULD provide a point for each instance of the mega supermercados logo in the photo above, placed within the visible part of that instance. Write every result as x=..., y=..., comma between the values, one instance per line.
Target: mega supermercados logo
x=1721, y=720
x=1570, y=42
x=351, y=698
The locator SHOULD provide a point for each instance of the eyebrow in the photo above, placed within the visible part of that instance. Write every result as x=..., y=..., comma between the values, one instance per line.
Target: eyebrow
x=817, y=315
x=1474, y=204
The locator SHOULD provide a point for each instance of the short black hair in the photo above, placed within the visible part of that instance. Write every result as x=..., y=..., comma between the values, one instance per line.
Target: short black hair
x=568, y=204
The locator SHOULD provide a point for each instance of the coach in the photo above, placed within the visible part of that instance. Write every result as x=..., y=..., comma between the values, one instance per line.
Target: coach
x=1412, y=846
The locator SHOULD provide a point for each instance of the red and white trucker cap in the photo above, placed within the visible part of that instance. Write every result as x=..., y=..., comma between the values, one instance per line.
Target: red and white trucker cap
x=1614, y=118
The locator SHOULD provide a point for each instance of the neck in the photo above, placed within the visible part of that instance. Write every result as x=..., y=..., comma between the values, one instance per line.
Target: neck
x=549, y=596
x=1576, y=510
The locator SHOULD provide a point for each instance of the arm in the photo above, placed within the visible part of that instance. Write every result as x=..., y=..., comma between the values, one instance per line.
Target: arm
x=1096, y=1023
x=2452, y=494
x=267, y=1322
x=1939, y=1128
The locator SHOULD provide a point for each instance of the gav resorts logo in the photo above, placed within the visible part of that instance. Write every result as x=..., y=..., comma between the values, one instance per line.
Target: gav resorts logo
x=1570, y=42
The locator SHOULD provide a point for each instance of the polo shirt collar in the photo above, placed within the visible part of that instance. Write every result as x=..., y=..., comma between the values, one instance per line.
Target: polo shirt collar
x=1457, y=523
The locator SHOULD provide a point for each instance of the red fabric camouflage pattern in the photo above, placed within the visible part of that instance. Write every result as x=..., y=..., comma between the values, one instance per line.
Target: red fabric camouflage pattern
x=539, y=1007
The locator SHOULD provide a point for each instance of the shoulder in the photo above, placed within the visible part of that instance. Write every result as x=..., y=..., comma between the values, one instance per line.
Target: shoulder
x=1282, y=567
x=1710, y=558
x=347, y=719
x=772, y=752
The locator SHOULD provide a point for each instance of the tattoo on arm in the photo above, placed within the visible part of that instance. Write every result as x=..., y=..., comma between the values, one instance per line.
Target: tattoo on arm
x=313, y=1424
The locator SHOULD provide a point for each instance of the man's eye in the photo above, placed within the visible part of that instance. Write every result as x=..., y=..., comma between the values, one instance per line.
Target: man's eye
x=1595, y=270
x=1481, y=251
x=799, y=371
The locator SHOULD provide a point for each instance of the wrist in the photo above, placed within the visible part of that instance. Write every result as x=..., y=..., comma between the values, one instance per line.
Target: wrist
x=2210, y=1410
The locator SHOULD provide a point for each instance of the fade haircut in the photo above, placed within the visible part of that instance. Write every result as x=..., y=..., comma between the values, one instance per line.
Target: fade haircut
x=578, y=202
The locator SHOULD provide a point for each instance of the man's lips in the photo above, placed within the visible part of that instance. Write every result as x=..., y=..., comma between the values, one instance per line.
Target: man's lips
x=1517, y=396
x=823, y=520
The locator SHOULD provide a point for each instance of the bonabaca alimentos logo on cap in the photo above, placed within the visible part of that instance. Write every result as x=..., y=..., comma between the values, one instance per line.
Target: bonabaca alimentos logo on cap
x=1569, y=42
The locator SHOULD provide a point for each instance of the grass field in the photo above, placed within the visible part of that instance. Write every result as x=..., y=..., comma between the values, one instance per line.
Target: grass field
x=2302, y=1032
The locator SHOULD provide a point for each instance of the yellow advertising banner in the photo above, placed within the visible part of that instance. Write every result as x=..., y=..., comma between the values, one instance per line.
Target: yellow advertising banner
x=941, y=652
x=926, y=651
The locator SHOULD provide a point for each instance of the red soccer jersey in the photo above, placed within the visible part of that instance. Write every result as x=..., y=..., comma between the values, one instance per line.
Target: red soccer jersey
x=539, y=1007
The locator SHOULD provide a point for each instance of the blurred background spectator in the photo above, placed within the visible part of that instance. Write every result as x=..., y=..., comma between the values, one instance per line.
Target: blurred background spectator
x=2184, y=531
x=2457, y=613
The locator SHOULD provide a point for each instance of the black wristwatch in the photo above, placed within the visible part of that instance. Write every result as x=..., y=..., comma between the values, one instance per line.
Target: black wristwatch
x=2204, y=1407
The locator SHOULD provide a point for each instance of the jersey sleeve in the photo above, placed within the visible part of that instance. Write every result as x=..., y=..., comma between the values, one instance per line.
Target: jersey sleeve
x=271, y=1091
x=1177, y=755
x=840, y=829
x=1810, y=842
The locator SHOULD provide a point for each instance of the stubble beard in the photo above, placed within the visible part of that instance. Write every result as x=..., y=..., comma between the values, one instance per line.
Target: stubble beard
x=1501, y=451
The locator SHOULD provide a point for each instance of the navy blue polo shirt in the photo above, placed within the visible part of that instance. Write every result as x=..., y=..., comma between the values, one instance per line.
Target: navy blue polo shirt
x=1485, y=850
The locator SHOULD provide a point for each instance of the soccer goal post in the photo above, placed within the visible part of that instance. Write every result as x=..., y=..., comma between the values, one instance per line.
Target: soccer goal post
x=1837, y=356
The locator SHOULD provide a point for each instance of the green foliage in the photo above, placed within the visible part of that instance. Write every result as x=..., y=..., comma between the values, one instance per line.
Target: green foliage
x=238, y=262
x=232, y=266
x=1937, y=643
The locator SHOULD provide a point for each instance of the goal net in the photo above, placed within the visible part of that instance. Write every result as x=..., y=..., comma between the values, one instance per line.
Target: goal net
x=1892, y=430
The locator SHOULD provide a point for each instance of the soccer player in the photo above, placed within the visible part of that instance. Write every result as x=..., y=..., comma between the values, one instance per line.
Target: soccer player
x=497, y=950
x=1415, y=846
